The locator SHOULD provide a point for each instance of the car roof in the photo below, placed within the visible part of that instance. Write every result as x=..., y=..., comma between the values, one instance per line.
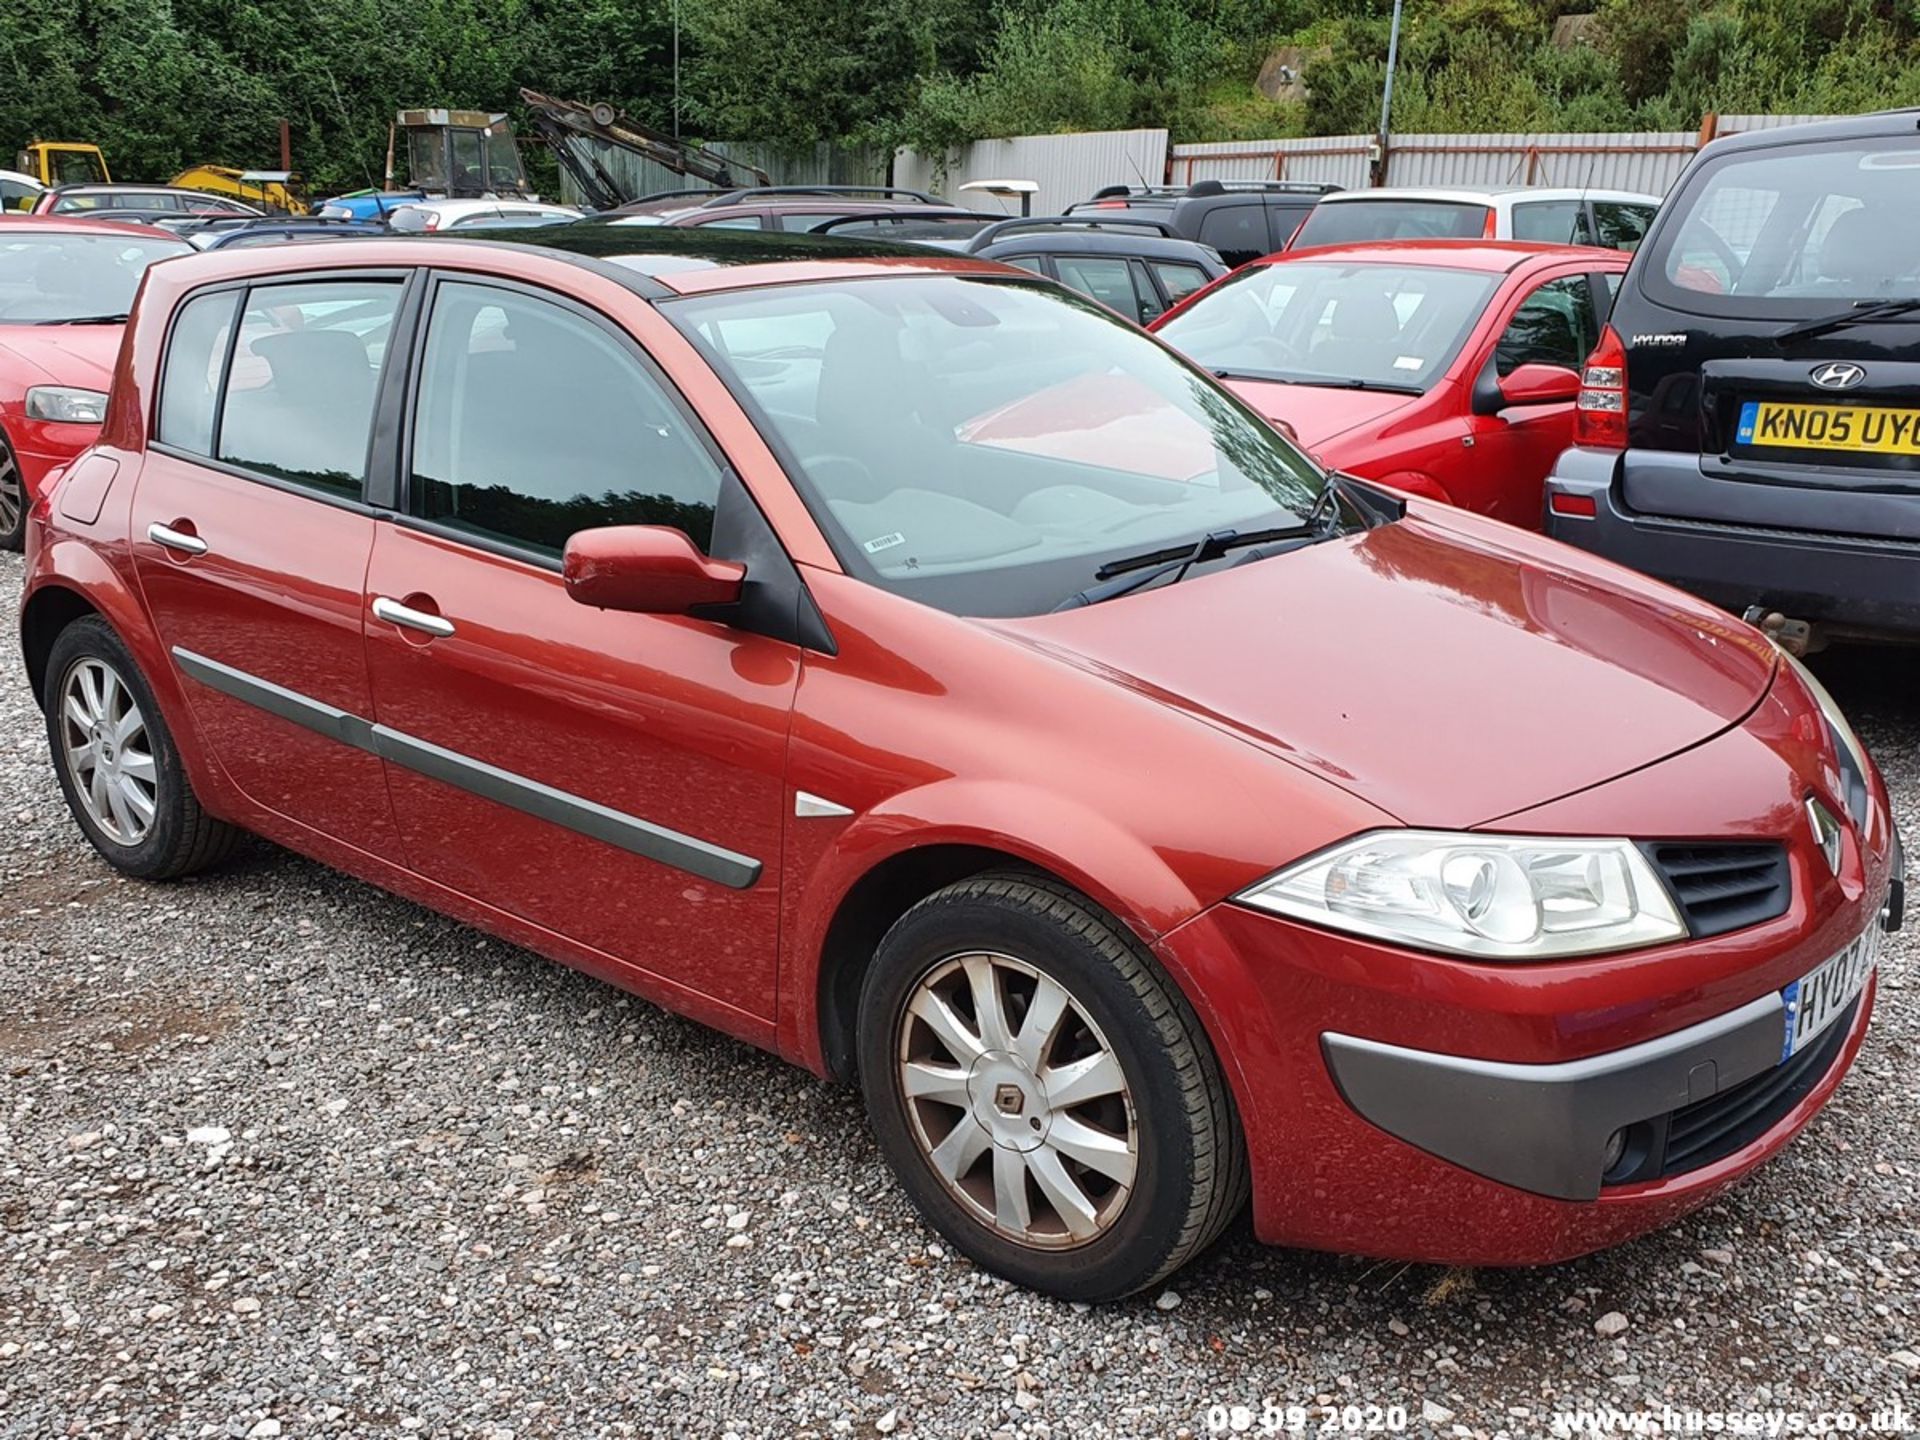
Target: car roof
x=76, y=225
x=95, y=187
x=656, y=261
x=1848, y=127
x=471, y=205
x=1486, y=196
x=1492, y=257
x=1087, y=240
x=20, y=177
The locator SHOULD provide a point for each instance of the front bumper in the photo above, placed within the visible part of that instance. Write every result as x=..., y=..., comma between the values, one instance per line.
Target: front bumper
x=1853, y=584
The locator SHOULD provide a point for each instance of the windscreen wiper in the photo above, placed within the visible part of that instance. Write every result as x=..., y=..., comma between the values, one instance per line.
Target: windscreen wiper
x=1853, y=315
x=1130, y=573
x=87, y=320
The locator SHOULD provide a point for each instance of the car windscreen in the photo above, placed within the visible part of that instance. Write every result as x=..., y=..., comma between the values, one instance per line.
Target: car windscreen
x=1311, y=322
x=1792, y=232
x=982, y=444
x=1353, y=222
x=51, y=279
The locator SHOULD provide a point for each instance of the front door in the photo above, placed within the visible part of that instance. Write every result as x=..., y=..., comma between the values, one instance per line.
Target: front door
x=1555, y=323
x=616, y=779
x=251, y=541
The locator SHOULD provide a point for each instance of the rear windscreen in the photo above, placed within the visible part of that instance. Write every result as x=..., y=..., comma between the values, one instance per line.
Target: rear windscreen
x=1353, y=221
x=1792, y=232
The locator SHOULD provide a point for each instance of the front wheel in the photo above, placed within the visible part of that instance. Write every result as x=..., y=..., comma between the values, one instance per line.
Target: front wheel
x=13, y=500
x=116, y=760
x=1043, y=1092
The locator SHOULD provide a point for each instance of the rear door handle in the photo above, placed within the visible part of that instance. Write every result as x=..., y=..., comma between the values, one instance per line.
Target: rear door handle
x=174, y=539
x=394, y=613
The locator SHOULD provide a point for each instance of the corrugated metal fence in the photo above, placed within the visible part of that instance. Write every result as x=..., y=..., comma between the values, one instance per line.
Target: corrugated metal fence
x=1609, y=160
x=1068, y=168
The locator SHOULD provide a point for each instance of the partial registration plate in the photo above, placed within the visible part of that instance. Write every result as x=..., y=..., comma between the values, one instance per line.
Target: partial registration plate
x=1871, y=429
x=1815, y=1000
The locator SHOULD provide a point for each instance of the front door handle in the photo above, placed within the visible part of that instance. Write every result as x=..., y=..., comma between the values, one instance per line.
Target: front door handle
x=174, y=539
x=394, y=613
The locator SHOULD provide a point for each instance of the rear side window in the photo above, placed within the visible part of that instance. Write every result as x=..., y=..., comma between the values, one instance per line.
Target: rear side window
x=1792, y=232
x=1552, y=326
x=300, y=391
x=1238, y=232
x=533, y=422
x=1179, y=281
x=1552, y=222
x=190, y=384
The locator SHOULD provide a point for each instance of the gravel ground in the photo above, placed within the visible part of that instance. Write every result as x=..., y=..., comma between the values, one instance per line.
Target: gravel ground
x=283, y=1155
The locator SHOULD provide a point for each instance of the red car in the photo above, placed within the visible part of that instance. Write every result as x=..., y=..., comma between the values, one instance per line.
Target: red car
x=1443, y=368
x=65, y=288
x=722, y=615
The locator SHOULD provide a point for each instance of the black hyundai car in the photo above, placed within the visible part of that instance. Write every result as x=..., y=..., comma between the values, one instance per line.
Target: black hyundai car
x=1749, y=426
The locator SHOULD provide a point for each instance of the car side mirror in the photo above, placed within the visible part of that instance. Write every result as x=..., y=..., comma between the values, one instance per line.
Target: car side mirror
x=1533, y=384
x=647, y=569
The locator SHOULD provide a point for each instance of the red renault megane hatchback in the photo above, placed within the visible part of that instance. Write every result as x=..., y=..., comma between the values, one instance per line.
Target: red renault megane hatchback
x=1448, y=369
x=65, y=286
x=805, y=637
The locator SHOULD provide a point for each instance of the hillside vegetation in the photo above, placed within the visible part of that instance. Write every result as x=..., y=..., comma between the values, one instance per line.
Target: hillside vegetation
x=165, y=83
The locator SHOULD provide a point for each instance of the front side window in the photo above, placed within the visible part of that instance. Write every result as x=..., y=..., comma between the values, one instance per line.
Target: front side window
x=533, y=422
x=1621, y=226
x=1379, y=326
x=1793, y=232
x=1553, y=326
x=50, y=278
x=730, y=222
x=17, y=195
x=984, y=444
x=1110, y=280
x=300, y=391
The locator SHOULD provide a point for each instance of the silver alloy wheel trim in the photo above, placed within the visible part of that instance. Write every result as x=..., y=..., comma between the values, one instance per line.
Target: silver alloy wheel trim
x=1030, y=1125
x=105, y=745
x=13, y=497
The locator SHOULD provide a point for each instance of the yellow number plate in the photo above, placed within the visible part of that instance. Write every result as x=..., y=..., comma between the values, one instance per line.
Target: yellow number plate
x=1876, y=429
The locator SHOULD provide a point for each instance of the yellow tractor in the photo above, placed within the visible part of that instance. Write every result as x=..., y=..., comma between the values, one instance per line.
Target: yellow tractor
x=60, y=162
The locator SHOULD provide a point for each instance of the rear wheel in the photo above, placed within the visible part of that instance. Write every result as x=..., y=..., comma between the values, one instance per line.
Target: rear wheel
x=13, y=500
x=116, y=760
x=1043, y=1092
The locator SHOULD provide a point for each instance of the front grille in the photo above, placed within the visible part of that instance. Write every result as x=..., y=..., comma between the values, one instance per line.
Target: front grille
x=1697, y=1135
x=1722, y=887
x=1713, y=1129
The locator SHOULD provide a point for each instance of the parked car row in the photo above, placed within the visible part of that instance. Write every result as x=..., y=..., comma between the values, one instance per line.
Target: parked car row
x=805, y=603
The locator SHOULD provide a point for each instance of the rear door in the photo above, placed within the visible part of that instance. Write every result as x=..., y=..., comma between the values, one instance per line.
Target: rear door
x=251, y=535
x=616, y=779
x=1742, y=408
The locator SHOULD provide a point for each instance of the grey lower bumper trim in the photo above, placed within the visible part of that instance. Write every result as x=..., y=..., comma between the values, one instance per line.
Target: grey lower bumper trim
x=1544, y=1128
x=517, y=792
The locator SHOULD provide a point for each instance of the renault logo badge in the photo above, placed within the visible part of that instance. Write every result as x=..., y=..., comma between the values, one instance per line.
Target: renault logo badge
x=1839, y=375
x=1826, y=833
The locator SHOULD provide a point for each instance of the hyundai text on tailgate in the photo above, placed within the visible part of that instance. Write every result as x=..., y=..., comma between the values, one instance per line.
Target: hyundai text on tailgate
x=901, y=662
x=1750, y=422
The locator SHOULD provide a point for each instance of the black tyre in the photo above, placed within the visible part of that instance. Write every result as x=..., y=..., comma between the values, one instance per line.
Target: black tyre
x=13, y=500
x=117, y=763
x=1043, y=1092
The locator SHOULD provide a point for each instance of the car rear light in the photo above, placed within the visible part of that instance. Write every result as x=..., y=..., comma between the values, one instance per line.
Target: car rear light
x=1491, y=230
x=431, y=222
x=1600, y=414
x=1581, y=506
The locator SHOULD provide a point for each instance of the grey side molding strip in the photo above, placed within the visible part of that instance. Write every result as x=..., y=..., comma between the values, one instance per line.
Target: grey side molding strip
x=1544, y=1128
x=476, y=777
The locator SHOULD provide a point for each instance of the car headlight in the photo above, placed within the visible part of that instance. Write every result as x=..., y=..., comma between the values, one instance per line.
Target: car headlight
x=1492, y=897
x=66, y=403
